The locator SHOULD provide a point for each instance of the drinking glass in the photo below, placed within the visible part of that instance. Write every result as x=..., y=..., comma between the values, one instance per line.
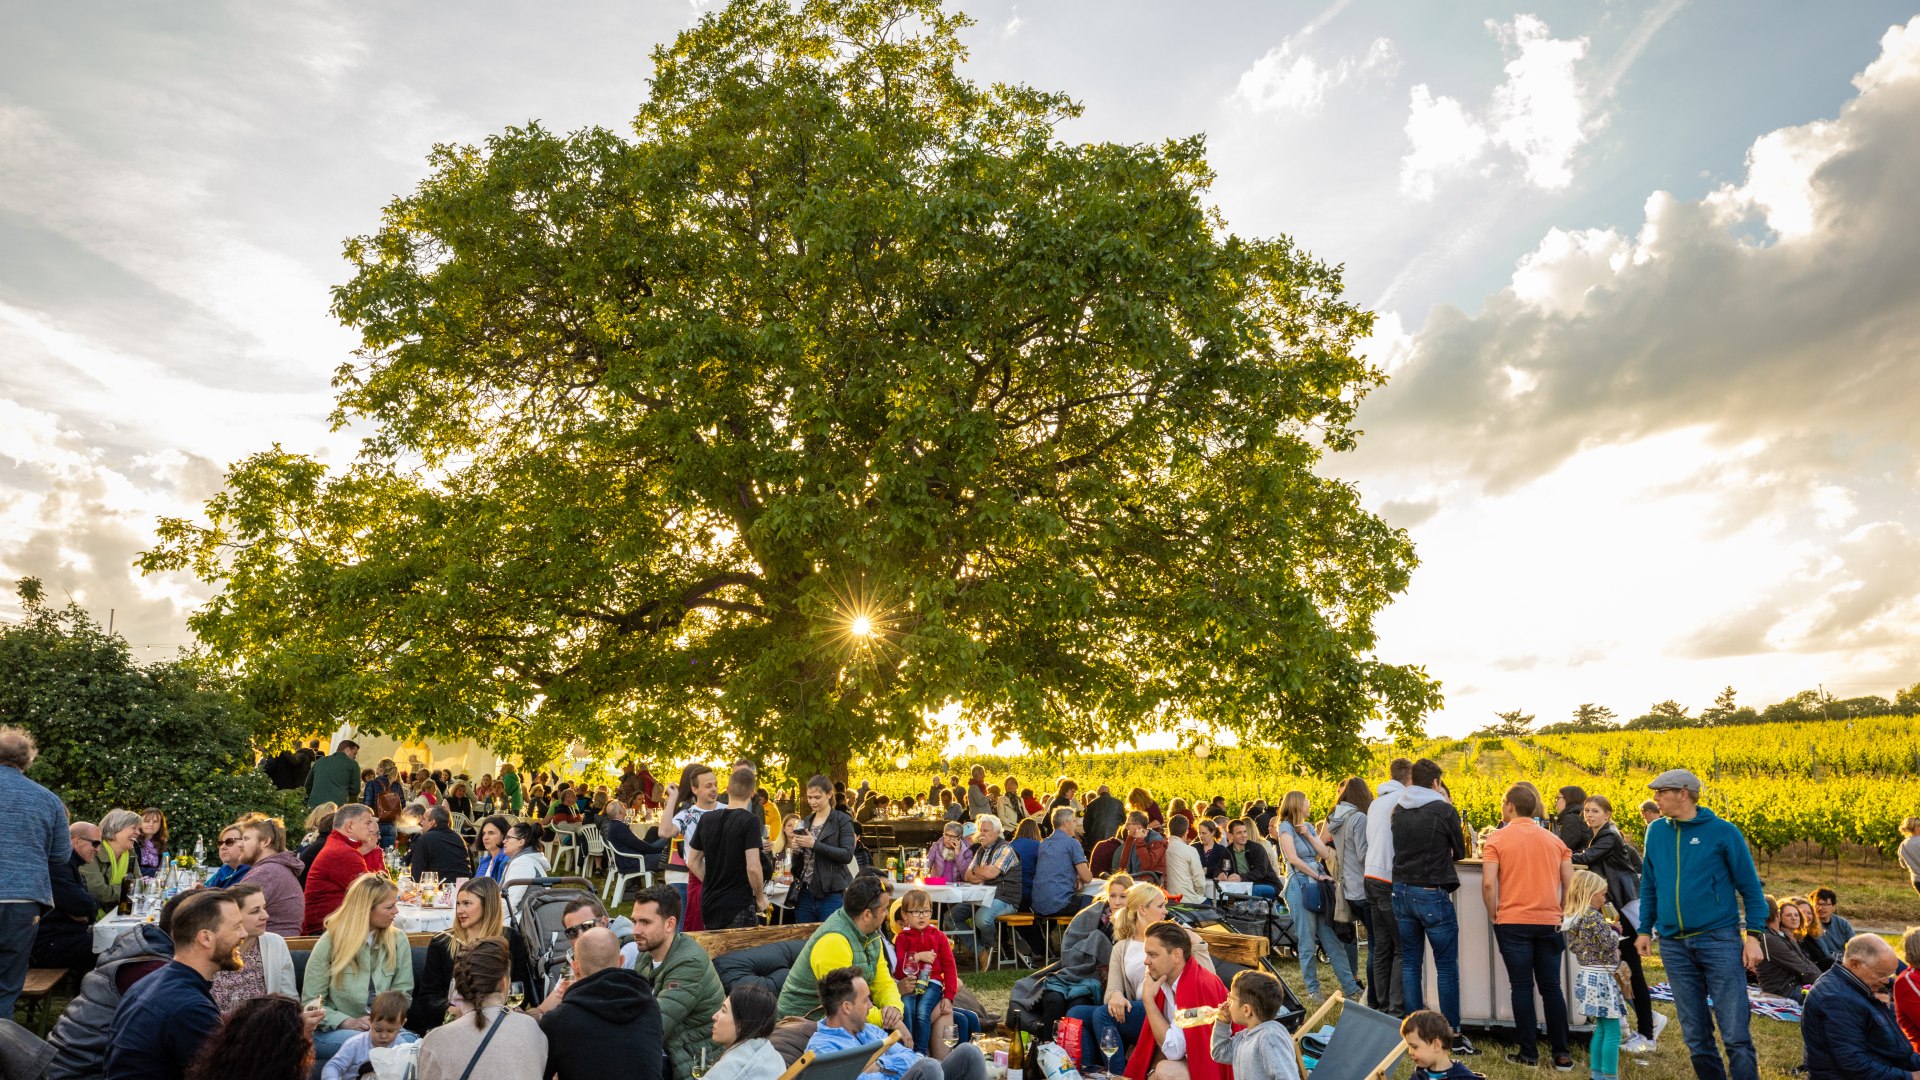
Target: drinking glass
x=1109, y=1044
x=700, y=1067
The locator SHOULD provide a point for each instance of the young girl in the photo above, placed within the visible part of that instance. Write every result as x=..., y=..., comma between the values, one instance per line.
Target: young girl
x=1587, y=921
x=152, y=844
x=924, y=969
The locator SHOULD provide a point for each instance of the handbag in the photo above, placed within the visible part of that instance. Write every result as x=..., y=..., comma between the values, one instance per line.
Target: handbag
x=1310, y=895
x=482, y=1048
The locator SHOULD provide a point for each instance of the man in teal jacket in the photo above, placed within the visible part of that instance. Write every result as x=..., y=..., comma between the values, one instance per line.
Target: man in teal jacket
x=1695, y=866
x=336, y=777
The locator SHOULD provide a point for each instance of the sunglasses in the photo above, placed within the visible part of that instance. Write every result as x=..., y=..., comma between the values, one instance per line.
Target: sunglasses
x=229, y=843
x=573, y=932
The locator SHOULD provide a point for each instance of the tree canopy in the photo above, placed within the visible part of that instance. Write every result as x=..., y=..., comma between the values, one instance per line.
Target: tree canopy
x=840, y=390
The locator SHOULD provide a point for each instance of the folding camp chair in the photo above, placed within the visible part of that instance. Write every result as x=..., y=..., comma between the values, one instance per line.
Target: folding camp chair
x=1365, y=1045
x=840, y=1064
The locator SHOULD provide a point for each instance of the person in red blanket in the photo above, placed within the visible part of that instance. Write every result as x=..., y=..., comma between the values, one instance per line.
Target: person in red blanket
x=352, y=849
x=1176, y=982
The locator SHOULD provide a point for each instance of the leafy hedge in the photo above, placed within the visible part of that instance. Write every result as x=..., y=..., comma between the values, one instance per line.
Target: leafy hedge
x=115, y=733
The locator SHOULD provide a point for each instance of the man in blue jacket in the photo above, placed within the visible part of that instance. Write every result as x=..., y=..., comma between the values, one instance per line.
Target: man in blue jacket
x=1695, y=865
x=1850, y=1032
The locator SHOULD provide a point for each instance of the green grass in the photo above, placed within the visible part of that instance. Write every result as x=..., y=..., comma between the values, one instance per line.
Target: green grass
x=1777, y=1043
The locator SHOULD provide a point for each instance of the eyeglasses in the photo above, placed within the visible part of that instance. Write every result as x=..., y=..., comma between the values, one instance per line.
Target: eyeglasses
x=229, y=843
x=918, y=911
x=581, y=928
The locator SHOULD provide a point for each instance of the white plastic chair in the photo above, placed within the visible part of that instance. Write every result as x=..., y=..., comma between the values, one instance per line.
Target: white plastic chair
x=616, y=887
x=595, y=844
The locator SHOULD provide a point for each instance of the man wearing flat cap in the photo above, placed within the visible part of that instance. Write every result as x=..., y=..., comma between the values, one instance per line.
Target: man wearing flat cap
x=1694, y=882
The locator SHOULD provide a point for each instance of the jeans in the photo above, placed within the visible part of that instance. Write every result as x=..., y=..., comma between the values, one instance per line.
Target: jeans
x=1352, y=944
x=1707, y=965
x=965, y=1063
x=388, y=835
x=1532, y=954
x=918, y=1009
x=1095, y=1019
x=1314, y=928
x=1426, y=917
x=983, y=916
x=1264, y=891
x=806, y=908
x=18, y=925
x=1074, y=904
x=328, y=1043
x=1384, y=989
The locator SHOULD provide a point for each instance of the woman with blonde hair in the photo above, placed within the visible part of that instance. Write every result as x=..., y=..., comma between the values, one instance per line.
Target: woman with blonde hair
x=1123, y=1011
x=478, y=914
x=361, y=954
x=1909, y=850
x=1587, y=921
x=1139, y=799
x=1310, y=894
x=1807, y=934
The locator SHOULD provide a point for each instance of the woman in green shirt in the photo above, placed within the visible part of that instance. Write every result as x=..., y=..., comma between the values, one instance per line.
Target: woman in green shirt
x=106, y=875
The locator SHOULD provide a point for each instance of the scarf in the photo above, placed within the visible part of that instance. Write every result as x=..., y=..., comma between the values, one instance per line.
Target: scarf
x=1197, y=986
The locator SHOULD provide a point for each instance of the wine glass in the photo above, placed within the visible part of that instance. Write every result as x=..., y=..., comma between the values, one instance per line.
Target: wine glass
x=1109, y=1044
x=950, y=1038
x=700, y=1067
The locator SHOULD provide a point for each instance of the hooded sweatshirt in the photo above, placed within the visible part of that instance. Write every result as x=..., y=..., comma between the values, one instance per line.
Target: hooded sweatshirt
x=1380, y=830
x=278, y=876
x=607, y=1025
x=1426, y=840
x=1691, y=874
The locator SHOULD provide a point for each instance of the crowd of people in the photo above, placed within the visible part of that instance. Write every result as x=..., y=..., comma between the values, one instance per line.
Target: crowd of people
x=213, y=982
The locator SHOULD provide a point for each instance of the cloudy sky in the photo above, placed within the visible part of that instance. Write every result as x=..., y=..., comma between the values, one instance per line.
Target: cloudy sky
x=1647, y=283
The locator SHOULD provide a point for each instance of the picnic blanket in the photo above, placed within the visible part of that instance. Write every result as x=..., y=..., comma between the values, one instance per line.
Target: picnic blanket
x=1761, y=1002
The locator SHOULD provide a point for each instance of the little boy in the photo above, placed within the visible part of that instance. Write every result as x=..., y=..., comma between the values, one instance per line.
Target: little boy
x=1430, y=1045
x=388, y=1014
x=1262, y=1050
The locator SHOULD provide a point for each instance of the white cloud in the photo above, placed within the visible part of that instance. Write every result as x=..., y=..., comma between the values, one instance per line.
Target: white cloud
x=1014, y=23
x=1690, y=446
x=1288, y=78
x=1444, y=139
x=1538, y=113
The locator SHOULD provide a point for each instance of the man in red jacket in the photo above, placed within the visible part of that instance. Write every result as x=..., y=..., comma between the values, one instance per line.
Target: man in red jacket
x=352, y=849
x=1176, y=981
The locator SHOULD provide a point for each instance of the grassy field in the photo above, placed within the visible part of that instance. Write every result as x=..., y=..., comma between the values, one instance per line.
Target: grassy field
x=1777, y=1043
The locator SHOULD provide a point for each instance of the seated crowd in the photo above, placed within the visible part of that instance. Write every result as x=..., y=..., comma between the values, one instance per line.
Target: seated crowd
x=215, y=981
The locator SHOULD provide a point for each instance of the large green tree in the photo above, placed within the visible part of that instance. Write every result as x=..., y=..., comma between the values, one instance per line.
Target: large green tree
x=840, y=390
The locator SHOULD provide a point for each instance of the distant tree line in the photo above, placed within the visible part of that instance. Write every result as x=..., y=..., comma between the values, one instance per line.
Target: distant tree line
x=1726, y=711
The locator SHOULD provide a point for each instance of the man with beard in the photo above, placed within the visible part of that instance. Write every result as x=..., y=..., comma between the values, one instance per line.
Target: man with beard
x=163, y=1020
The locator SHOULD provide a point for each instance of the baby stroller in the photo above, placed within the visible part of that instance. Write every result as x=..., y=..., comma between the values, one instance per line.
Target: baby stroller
x=537, y=921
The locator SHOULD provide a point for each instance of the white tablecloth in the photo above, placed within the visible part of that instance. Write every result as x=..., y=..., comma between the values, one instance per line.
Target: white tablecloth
x=947, y=894
x=107, y=930
x=418, y=920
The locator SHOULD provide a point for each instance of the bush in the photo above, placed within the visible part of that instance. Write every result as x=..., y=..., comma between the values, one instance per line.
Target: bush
x=114, y=733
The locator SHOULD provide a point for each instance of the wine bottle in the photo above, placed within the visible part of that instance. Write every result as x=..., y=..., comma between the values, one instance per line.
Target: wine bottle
x=1016, y=1055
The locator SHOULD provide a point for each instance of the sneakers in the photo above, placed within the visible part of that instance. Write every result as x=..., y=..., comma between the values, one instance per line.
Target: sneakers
x=1563, y=1063
x=1638, y=1045
x=1659, y=1021
x=1463, y=1047
x=1522, y=1060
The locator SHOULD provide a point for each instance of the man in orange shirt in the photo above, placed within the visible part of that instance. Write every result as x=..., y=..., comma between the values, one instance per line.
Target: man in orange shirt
x=1525, y=870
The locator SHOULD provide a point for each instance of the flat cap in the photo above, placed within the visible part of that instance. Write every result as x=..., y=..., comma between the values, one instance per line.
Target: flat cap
x=1679, y=779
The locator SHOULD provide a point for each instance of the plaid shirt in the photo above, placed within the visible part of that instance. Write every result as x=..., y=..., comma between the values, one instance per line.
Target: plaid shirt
x=1000, y=855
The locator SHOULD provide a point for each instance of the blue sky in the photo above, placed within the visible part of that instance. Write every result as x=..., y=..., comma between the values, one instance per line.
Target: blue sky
x=1637, y=265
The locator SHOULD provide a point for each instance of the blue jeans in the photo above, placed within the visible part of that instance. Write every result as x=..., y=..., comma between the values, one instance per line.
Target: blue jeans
x=1311, y=928
x=1709, y=965
x=1532, y=954
x=18, y=925
x=1095, y=1019
x=388, y=835
x=1264, y=891
x=983, y=916
x=1426, y=917
x=808, y=909
x=918, y=1009
x=328, y=1043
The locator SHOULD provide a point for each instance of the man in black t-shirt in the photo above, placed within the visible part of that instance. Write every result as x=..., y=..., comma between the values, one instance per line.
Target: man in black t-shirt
x=724, y=853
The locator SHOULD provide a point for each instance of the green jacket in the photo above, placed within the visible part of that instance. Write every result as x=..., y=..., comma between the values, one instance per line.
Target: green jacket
x=334, y=779
x=97, y=873
x=511, y=782
x=689, y=993
x=837, y=944
x=353, y=995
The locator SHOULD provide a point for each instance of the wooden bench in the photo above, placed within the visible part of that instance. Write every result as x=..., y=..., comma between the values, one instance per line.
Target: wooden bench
x=39, y=988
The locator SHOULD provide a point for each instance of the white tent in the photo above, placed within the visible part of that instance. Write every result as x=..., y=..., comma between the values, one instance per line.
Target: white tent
x=465, y=755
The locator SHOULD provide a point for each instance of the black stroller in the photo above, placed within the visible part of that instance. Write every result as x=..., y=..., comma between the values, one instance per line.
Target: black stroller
x=536, y=919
